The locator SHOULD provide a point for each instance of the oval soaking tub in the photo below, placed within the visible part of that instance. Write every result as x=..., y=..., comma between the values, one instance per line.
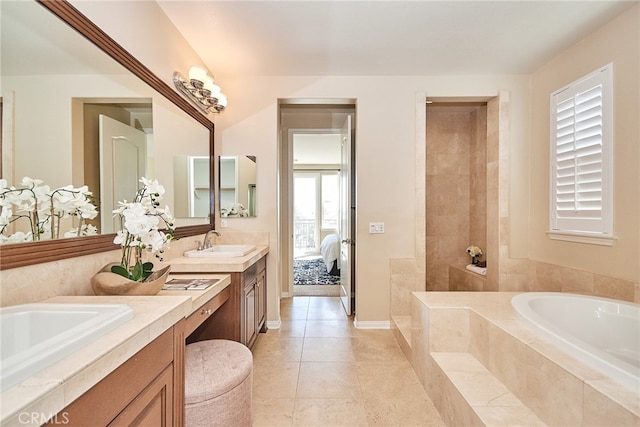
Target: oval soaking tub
x=34, y=336
x=602, y=332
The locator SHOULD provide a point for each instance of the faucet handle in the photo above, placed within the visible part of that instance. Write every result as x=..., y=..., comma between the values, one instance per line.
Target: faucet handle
x=199, y=248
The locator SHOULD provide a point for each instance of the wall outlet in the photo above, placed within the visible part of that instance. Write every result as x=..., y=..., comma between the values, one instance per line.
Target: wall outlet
x=376, y=227
x=223, y=223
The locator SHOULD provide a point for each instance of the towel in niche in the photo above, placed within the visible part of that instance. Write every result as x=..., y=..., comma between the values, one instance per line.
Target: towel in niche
x=476, y=269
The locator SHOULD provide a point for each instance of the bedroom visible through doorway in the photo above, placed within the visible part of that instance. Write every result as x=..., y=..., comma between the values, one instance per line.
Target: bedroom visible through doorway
x=316, y=212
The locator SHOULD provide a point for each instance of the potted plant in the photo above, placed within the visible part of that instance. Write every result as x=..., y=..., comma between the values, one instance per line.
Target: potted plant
x=144, y=227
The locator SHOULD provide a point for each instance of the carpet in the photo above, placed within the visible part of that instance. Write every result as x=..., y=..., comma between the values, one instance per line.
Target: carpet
x=312, y=272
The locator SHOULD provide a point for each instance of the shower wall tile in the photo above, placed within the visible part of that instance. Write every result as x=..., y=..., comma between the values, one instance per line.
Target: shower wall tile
x=461, y=279
x=455, y=195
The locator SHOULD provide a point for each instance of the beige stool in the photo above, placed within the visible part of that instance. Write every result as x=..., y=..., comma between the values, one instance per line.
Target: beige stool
x=218, y=384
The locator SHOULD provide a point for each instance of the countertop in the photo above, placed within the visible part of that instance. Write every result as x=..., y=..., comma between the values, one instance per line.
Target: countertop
x=217, y=264
x=55, y=387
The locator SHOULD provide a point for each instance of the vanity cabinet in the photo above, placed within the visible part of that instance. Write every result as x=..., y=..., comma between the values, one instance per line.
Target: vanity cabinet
x=148, y=389
x=243, y=316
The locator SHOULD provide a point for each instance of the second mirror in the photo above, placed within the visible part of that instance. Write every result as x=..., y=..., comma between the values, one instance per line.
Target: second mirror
x=237, y=190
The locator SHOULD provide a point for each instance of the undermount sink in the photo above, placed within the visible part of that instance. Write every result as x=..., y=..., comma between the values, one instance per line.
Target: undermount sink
x=221, y=251
x=34, y=336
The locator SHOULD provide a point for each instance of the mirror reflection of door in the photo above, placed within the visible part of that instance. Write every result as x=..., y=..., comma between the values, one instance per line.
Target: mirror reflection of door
x=123, y=156
x=199, y=186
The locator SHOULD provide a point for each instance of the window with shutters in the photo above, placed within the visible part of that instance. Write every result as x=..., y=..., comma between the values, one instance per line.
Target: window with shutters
x=581, y=160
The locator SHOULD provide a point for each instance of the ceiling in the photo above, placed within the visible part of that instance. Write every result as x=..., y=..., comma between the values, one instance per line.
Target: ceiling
x=383, y=38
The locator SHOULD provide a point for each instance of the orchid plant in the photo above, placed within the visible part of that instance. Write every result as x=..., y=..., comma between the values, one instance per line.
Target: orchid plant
x=140, y=230
x=44, y=211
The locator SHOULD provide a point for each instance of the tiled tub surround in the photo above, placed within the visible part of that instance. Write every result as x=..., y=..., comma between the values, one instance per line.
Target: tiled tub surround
x=482, y=366
x=602, y=332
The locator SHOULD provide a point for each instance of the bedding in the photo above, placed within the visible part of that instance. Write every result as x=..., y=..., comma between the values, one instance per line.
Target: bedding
x=330, y=251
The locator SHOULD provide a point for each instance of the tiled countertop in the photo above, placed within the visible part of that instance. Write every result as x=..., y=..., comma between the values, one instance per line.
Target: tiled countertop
x=218, y=264
x=52, y=389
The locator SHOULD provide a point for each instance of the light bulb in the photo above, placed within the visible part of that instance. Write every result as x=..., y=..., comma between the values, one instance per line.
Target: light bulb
x=197, y=74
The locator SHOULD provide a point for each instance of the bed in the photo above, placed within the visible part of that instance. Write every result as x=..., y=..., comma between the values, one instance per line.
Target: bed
x=330, y=250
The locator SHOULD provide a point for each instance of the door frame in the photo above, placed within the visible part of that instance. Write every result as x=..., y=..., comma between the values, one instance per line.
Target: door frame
x=285, y=176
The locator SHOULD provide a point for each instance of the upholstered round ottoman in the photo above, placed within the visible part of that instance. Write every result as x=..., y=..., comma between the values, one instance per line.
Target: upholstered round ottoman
x=218, y=384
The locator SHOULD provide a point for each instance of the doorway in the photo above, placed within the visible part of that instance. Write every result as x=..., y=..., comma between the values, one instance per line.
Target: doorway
x=316, y=200
x=316, y=212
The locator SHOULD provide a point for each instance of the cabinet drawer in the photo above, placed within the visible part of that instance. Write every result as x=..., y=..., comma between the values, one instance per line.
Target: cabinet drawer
x=203, y=313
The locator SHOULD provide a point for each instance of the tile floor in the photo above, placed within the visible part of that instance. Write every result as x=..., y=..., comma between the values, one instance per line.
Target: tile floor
x=318, y=370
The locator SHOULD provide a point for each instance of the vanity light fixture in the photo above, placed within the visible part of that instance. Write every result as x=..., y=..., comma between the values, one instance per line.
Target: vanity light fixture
x=201, y=89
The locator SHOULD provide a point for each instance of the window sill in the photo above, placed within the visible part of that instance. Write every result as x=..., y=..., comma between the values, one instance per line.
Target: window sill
x=591, y=239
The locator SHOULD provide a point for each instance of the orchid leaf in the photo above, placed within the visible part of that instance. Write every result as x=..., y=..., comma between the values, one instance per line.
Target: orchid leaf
x=118, y=269
x=137, y=272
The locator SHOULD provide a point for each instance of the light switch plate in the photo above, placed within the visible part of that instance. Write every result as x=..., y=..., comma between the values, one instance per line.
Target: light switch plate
x=376, y=227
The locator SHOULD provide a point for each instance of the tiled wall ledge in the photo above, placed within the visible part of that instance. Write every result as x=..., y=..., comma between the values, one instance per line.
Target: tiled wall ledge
x=480, y=365
x=461, y=279
x=545, y=277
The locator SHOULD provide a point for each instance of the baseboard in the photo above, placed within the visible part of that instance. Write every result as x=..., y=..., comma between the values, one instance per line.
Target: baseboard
x=375, y=324
x=274, y=324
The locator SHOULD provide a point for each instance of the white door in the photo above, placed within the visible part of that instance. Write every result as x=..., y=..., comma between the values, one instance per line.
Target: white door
x=123, y=158
x=346, y=210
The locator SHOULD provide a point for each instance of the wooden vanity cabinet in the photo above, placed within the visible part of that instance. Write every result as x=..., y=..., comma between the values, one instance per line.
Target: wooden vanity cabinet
x=244, y=314
x=148, y=389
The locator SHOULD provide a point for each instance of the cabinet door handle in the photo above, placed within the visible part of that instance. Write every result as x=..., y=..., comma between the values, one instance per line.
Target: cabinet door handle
x=206, y=312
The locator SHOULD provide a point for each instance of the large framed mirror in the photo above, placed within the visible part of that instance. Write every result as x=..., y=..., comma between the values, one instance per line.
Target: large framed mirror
x=52, y=140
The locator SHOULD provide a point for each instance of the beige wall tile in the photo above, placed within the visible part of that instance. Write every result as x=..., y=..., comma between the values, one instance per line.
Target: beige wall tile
x=600, y=411
x=552, y=393
x=449, y=330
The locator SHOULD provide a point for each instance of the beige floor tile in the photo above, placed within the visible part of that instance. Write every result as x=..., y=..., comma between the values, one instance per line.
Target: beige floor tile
x=326, y=312
x=278, y=348
x=329, y=329
x=389, y=381
x=291, y=328
x=329, y=412
x=319, y=370
x=378, y=348
x=328, y=380
x=294, y=312
x=297, y=301
x=328, y=350
x=275, y=380
x=273, y=412
x=415, y=411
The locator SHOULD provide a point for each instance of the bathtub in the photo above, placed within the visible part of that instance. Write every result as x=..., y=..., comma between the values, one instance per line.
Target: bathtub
x=601, y=332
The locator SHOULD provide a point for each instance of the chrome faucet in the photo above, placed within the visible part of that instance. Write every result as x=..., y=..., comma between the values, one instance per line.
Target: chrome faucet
x=206, y=242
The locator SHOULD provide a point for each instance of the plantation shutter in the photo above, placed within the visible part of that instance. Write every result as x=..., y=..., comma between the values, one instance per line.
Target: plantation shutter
x=580, y=158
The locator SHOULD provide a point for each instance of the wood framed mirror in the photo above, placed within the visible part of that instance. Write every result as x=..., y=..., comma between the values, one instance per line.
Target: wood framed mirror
x=28, y=253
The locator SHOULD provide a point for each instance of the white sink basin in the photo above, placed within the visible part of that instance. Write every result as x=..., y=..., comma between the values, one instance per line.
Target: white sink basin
x=34, y=336
x=221, y=251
